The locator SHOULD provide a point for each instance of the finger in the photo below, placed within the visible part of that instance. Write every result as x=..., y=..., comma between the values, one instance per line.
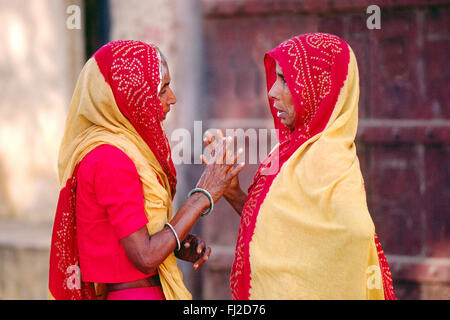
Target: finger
x=203, y=160
x=208, y=155
x=219, y=150
x=237, y=155
x=220, y=134
x=198, y=263
x=227, y=154
x=203, y=259
x=209, y=138
x=201, y=246
x=207, y=253
x=229, y=157
x=232, y=157
x=187, y=241
x=211, y=147
x=237, y=169
x=210, y=143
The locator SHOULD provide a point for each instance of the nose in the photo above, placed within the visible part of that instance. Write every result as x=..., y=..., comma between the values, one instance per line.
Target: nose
x=172, y=99
x=272, y=92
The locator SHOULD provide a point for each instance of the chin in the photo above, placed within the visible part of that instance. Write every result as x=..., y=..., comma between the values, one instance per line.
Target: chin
x=289, y=126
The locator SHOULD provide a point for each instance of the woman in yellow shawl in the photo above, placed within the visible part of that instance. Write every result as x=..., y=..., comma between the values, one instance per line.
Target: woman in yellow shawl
x=306, y=232
x=114, y=235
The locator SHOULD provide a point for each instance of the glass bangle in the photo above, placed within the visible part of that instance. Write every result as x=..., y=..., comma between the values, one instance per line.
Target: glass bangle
x=206, y=193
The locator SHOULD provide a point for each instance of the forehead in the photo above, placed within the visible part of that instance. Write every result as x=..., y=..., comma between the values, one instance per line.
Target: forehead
x=165, y=72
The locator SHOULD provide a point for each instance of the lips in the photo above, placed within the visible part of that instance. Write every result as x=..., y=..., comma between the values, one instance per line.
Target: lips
x=281, y=114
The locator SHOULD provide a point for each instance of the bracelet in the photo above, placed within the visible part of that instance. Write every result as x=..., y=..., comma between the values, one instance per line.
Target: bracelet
x=206, y=193
x=175, y=234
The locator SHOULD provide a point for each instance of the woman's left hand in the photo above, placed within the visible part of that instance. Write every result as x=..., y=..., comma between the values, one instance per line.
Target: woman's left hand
x=193, y=249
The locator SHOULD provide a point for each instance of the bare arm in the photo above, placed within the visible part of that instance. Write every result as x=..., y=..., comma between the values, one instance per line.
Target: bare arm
x=236, y=198
x=147, y=252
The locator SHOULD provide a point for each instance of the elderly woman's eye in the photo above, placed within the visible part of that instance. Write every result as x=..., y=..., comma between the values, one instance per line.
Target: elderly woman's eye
x=281, y=78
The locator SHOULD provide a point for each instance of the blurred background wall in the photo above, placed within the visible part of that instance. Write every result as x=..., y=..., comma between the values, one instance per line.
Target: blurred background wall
x=215, y=50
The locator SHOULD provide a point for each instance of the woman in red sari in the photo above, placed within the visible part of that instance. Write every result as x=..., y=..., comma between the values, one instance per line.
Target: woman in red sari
x=306, y=232
x=114, y=235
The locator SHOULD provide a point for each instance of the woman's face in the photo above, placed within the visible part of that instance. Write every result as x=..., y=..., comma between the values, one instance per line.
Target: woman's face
x=282, y=100
x=166, y=94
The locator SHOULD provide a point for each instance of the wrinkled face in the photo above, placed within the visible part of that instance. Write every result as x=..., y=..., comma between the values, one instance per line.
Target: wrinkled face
x=166, y=94
x=282, y=100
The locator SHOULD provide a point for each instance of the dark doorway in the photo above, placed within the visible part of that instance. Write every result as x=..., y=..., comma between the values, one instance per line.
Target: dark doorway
x=97, y=25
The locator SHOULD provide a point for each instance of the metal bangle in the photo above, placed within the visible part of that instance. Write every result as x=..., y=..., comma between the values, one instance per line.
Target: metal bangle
x=206, y=193
x=175, y=234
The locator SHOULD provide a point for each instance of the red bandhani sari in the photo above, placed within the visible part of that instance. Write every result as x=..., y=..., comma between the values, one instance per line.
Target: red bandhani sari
x=295, y=195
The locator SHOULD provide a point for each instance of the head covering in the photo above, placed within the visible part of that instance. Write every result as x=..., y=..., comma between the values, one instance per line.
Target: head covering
x=134, y=72
x=116, y=102
x=305, y=231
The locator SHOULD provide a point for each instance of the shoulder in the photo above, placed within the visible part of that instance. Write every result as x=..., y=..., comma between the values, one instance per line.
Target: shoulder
x=108, y=159
x=107, y=154
x=106, y=151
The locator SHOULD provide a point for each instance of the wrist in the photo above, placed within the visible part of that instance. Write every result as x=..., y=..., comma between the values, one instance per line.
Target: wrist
x=206, y=196
x=200, y=201
x=233, y=194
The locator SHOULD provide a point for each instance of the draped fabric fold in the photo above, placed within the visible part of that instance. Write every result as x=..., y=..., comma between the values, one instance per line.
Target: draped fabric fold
x=306, y=232
x=115, y=102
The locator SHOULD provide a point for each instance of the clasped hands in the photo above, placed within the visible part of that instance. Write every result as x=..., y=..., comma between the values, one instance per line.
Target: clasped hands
x=220, y=178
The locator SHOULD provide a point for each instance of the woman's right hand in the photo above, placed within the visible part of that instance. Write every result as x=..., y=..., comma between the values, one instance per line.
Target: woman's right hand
x=221, y=169
x=211, y=142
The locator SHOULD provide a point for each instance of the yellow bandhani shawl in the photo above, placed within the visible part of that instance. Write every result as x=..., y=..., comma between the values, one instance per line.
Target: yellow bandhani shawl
x=94, y=119
x=306, y=232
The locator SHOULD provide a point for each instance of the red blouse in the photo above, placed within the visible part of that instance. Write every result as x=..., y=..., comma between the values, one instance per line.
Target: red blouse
x=109, y=207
